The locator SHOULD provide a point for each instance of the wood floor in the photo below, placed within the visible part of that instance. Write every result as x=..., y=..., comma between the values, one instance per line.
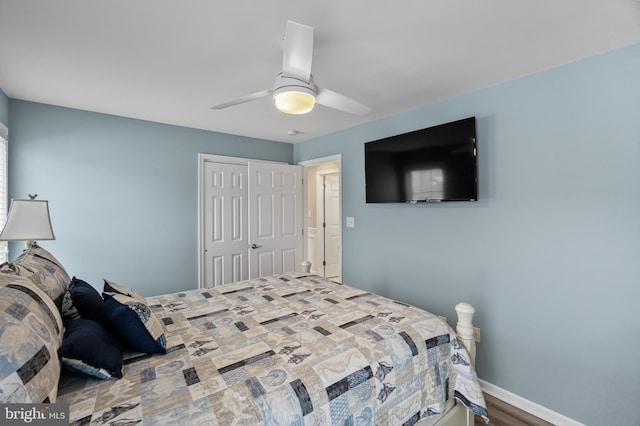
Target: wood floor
x=503, y=414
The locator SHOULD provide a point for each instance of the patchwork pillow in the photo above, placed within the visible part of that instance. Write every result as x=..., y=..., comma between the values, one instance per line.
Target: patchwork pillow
x=113, y=287
x=43, y=269
x=88, y=348
x=129, y=317
x=30, y=334
x=82, y=300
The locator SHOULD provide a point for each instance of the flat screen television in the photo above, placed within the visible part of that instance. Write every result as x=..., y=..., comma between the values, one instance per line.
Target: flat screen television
x=428, y=165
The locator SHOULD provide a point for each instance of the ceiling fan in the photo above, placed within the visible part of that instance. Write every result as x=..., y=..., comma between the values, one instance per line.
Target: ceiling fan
x=294, y=91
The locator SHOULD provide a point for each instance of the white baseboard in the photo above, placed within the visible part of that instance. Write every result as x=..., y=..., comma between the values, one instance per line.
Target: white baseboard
x=526, y=405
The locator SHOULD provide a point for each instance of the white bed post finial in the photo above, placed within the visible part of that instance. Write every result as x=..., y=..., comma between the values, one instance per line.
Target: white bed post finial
x=464, y=328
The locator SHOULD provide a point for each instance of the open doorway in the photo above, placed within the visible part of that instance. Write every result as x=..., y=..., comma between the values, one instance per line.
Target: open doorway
x=323, y=227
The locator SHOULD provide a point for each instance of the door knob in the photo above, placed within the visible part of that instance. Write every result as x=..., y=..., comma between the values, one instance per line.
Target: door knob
x=255, y=246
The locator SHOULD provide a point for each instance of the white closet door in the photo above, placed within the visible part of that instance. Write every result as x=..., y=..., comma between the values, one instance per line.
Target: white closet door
x=225, y=224
x=275, y=218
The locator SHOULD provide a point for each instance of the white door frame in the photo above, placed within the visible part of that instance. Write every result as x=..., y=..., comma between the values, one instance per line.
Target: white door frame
x=314, y=162
x=202, y=158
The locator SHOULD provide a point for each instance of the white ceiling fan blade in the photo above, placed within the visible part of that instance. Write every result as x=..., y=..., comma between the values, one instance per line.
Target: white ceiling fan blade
x=298, y=50
x=248, y=98
x=335, y=100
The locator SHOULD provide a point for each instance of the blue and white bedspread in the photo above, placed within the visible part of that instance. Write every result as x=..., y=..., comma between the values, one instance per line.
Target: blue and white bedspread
x=285, y=349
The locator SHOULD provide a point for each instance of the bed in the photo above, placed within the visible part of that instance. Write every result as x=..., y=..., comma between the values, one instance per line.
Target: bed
x=284, y=349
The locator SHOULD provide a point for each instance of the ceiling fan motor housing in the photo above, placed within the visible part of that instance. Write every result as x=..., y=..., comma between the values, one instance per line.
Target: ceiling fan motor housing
x=287, y=82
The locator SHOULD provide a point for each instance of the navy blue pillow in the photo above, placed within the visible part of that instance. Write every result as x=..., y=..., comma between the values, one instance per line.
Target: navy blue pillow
x=88, y=348
x=134, y=324
x=82, y=300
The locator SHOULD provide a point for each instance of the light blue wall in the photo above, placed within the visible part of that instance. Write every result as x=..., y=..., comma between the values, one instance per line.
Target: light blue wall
x=122, y=192
x=549, y=255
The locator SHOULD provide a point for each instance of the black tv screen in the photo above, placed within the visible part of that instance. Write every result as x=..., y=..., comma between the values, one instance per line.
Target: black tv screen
x=428, y=165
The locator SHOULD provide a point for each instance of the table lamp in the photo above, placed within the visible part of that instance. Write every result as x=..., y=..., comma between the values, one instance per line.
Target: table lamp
x=28, y=221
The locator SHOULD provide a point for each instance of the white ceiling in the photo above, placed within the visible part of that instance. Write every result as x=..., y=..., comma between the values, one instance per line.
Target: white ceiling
x=169, y=61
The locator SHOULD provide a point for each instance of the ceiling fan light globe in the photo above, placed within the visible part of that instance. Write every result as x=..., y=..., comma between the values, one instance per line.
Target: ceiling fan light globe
x=294, y=102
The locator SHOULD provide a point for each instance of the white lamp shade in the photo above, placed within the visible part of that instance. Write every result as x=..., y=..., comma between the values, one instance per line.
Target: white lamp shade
x=28, y=220
x=293, y=95
x=294, y=102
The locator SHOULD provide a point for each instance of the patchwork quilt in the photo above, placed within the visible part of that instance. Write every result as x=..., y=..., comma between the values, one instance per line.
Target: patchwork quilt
x=285, y=349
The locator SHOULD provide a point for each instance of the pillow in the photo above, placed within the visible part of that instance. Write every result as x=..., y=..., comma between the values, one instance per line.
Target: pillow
x=130, y=318
x=30, y=334
x=43, y=269
x=89, y=349
x=113, y=287
x=82, y=300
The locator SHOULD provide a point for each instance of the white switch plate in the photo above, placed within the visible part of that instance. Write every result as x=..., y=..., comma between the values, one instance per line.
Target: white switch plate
x=351, y=222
